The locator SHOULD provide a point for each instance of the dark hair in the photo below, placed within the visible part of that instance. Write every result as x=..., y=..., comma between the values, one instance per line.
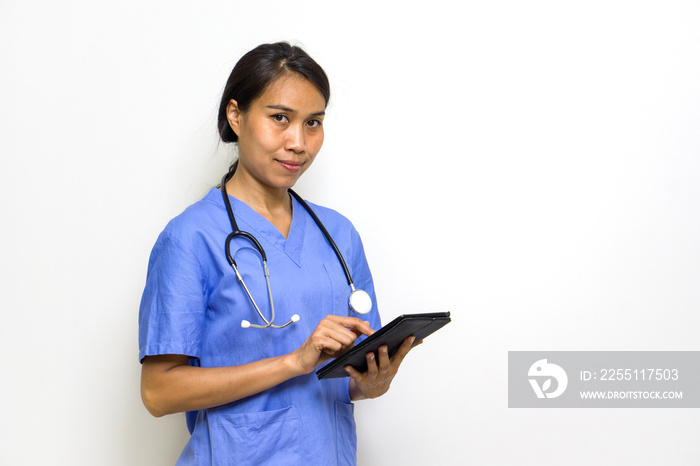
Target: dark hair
x=259, y=68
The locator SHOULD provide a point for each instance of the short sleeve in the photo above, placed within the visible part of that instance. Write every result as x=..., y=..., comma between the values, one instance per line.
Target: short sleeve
x=172, y=311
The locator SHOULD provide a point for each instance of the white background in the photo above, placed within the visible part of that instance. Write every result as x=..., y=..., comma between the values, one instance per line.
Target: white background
x=532, y=167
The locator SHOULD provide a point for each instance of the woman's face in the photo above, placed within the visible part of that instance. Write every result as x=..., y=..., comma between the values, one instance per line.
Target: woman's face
x=280, y=133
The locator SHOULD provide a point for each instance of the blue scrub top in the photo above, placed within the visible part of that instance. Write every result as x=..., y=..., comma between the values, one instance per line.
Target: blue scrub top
x=193, y=305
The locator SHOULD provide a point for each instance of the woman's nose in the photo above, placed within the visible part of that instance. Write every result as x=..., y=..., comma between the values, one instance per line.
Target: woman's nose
x=296, y=140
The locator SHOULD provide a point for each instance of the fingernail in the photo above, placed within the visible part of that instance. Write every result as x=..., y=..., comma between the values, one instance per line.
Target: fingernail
x=413, y=339
x=371, y=357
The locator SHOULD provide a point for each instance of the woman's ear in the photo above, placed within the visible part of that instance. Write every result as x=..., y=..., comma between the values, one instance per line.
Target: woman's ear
x=233, y=115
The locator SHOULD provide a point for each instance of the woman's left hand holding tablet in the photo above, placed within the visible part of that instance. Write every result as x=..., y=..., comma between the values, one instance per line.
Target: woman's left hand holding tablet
x=381, y=370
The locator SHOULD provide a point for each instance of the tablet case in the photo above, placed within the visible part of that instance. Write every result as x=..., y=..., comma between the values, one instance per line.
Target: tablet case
x=392, y=335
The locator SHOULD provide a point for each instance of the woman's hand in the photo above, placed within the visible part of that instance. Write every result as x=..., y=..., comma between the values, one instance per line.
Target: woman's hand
x=376, y=381
x=333, y=336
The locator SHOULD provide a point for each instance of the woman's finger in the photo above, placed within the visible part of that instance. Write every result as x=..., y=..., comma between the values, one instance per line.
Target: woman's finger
x=403, y=350
x=353, y=373
x=383, y=357
x=354, y=324
x=372, y=369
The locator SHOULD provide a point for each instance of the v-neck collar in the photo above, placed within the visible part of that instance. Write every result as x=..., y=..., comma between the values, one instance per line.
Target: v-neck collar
x=251, y=221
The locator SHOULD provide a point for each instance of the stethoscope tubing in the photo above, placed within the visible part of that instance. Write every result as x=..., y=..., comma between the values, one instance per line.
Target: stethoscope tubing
x=359, y=300
x=328, y=236
x=258, y=246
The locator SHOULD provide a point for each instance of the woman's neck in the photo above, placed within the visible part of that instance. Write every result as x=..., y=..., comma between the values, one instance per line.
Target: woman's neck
x=273, y=204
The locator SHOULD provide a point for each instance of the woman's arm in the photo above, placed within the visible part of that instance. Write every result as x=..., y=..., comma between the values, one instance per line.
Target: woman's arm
x=170, y=385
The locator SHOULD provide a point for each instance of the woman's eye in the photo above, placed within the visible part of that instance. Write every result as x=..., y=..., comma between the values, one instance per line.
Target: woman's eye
x=314, y=123
x=279, y=118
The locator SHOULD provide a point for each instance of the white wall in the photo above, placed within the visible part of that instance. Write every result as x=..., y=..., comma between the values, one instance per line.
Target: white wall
x=530, y=166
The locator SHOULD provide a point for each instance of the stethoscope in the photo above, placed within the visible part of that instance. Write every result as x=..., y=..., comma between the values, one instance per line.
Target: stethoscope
x=360, y=300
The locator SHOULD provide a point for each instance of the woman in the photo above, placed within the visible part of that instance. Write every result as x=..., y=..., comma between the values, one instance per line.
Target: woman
x=251, y=393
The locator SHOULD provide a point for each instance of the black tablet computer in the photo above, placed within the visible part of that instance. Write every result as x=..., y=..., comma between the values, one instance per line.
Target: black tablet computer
x=392, y=335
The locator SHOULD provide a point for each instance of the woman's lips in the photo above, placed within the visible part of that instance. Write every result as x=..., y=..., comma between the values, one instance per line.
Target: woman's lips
x=290, y=165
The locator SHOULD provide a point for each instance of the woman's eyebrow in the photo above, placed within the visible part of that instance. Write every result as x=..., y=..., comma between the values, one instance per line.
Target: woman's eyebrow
x=289, y=110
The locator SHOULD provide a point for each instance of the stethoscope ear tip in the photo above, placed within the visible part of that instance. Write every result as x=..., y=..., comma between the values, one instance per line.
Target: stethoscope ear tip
x=295, y=318
x=245, y=324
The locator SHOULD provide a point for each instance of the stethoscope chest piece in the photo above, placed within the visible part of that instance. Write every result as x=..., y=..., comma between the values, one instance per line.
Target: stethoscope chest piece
x=360, y=301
